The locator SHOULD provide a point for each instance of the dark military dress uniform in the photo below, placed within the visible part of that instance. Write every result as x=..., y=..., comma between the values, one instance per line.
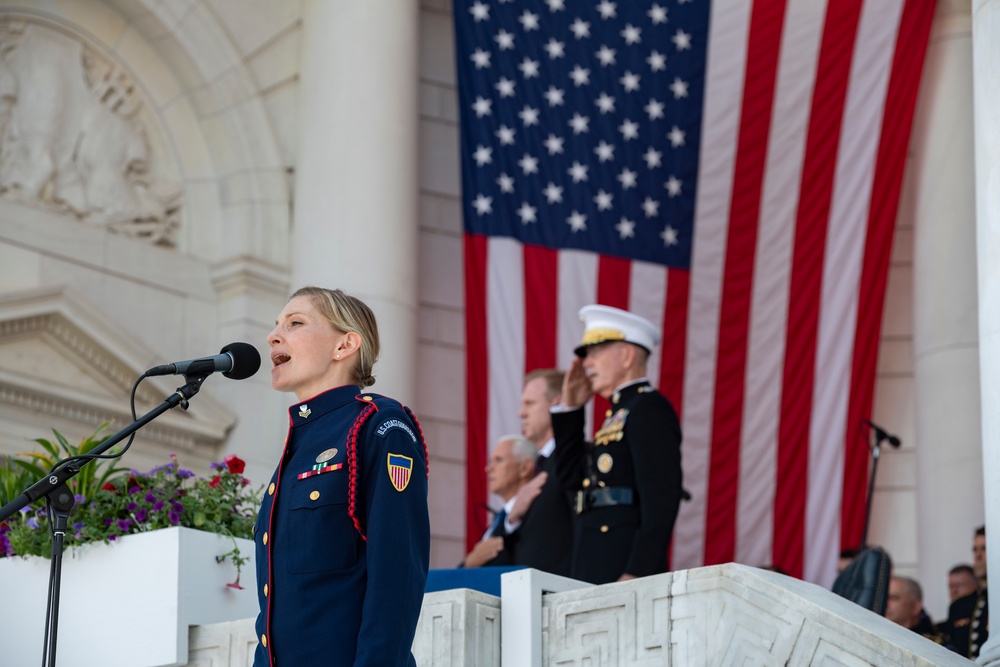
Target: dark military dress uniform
x=968, y=624
x=343, y=536
x=627, y=484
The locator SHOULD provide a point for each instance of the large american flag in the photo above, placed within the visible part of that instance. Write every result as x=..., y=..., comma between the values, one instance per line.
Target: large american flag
x=731, y=171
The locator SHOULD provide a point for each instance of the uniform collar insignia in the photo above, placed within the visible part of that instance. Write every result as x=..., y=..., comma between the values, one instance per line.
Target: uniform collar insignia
x=304, y=411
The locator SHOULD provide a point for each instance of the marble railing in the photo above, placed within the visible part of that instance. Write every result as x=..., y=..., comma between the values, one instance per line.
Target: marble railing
x=721, y=615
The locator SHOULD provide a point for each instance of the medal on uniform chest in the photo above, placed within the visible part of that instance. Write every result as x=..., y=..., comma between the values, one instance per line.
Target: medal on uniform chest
x=605, y=463
x=612, y=429
x=326, y=455
x=304, y=411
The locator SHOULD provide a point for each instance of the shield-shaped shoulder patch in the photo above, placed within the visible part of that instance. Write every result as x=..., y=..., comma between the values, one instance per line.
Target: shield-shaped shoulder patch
x=400, y=468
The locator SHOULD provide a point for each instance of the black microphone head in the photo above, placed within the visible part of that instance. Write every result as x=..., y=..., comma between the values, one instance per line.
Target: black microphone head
x=246, y=360
x=894, y=441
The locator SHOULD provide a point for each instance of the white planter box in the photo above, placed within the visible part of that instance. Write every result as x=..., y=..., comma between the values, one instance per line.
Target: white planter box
x=127, y=604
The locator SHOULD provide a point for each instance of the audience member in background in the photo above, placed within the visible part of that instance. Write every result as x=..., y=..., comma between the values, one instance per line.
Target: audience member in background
x=968, y=621
x=540, y=526
x=906, y=607
x=979, y=556
x=962, y=581
x=846, y=556
x=511, y=465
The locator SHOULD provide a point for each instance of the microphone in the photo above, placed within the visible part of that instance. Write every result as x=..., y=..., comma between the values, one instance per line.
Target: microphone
x=881, y=434
x=237, y=361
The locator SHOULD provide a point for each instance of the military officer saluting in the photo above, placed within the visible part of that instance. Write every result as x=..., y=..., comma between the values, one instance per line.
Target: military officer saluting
x=626, y=484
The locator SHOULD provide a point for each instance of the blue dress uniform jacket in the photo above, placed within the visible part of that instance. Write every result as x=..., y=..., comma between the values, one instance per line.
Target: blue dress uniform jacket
x=627, y=484
x=343, y=538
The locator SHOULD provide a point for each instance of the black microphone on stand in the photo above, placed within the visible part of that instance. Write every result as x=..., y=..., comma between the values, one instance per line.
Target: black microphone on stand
x=881, y=434
x=237, y=361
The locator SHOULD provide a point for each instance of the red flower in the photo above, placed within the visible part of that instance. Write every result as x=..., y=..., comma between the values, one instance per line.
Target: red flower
x=215, y=481
x=235, y=464
x=108, y=487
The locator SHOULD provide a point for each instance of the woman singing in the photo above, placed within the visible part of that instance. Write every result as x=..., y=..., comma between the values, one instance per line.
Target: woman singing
x=343, y=535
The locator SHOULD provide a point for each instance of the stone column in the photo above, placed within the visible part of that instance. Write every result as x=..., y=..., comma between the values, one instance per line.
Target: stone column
x=355, y=217
x=945, y=327
x=986, y=84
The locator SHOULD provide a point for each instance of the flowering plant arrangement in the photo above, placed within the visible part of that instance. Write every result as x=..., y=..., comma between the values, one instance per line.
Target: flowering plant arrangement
x=112, y=502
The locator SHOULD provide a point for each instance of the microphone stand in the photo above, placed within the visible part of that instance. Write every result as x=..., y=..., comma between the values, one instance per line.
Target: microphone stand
x=60, y=502
x=876, y=450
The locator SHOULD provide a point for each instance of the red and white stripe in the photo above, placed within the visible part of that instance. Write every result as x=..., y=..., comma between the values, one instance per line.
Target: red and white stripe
x=770, y=341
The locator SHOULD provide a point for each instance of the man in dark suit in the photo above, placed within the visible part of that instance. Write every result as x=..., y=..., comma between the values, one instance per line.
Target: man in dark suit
x=511, y=465
x=627, y=482
x=541, y=526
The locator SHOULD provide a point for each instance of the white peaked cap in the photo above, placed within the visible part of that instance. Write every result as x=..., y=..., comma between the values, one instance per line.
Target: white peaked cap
x=604, y=323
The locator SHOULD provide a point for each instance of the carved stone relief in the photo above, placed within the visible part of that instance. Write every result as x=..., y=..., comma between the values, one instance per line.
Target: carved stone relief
x=70, y=135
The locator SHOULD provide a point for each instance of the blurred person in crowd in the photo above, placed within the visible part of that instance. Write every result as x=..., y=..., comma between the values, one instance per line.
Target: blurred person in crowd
x=906, y=607
x=511, y=465
x=540, y=526
x=962, y=581
x=968, y=621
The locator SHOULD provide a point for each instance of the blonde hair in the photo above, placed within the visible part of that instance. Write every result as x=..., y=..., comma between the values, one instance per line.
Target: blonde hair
x=349, y=314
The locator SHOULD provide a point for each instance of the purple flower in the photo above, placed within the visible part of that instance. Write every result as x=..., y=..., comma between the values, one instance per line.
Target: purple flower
x=175, y=518
x=141, y=515
x=177, y=506
x=185, y=474
x=78, y=526
x=134, y=490
x=80, y=499
x=32, y=523
x=130, y=507
x=217, y=465
x=124, y=525
x=158, y=506
x=150, y=498
x=112, y=538
x=108, y=521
